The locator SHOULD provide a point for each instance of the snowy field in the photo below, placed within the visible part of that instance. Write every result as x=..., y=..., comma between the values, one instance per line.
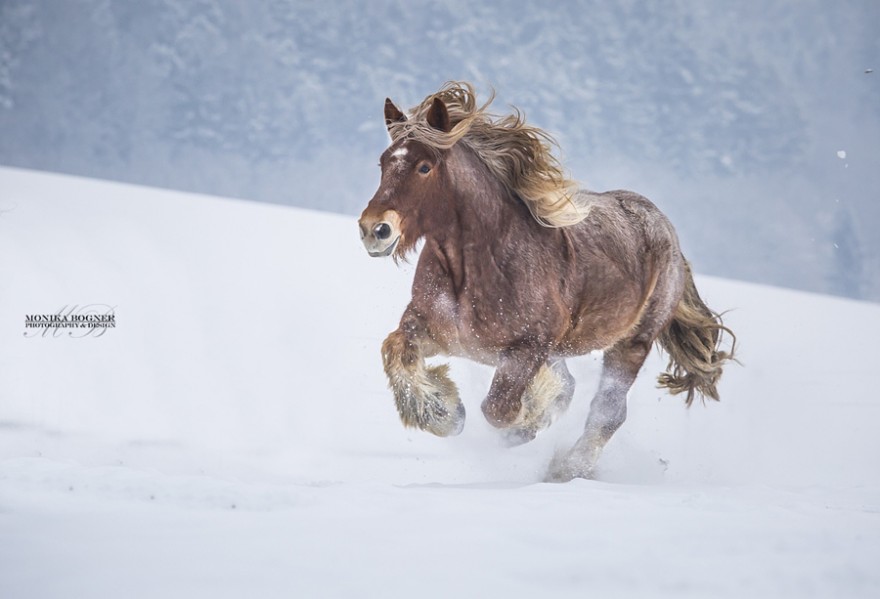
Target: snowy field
x=232, y=436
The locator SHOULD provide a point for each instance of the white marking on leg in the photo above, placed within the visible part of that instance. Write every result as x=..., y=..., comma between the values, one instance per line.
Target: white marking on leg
x=607, y=407
x=538, y=398
x=427, y=398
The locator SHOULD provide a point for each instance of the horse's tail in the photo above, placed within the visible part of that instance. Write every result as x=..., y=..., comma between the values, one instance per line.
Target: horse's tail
x=692, y=339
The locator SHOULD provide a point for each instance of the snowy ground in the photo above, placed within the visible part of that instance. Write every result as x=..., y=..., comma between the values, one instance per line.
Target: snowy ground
x=233, y=436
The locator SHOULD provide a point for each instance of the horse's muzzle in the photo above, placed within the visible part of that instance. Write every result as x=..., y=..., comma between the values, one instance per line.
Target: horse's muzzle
x=381, y=253
x=380, y=237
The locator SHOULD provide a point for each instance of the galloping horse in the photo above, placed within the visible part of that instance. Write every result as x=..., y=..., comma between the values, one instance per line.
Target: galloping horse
x=521, y=270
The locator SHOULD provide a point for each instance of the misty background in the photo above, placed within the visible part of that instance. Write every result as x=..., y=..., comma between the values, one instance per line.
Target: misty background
x=754, y=125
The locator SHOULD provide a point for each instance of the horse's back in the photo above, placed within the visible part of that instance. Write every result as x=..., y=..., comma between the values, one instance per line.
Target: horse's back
x=625, y=227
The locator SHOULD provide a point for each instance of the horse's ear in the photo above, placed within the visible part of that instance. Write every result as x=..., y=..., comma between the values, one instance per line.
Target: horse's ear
x=392, y=113
x=438, y=116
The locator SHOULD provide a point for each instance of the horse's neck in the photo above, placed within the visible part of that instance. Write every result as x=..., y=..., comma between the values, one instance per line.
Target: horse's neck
x=488, y=220
x=482, y=202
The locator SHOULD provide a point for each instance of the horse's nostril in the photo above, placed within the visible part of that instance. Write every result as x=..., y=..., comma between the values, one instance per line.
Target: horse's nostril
x=382, y=231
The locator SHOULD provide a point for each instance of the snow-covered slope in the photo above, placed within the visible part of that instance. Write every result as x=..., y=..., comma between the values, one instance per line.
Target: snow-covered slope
x=232, y=435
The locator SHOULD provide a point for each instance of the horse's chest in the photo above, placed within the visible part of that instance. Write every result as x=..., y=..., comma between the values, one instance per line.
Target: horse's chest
x=469, y=326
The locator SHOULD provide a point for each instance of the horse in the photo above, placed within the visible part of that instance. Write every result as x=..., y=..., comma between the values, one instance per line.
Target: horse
x=520, y=269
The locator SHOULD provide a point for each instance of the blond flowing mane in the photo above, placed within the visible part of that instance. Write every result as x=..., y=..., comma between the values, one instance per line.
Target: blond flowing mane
x=520, y=155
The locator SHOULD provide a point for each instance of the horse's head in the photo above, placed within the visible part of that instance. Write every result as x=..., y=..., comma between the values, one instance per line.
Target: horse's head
x=408, y=201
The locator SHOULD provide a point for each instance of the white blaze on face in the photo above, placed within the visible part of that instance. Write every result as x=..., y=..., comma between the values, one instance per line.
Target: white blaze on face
x=398, y=158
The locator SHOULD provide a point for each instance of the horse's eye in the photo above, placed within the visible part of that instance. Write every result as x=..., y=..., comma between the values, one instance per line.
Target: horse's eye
x=424, y=169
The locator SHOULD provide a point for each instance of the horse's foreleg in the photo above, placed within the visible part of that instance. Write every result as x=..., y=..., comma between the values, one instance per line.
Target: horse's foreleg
x=512, y=377
x=425, y=396
x=607, y=411
x=546, y=398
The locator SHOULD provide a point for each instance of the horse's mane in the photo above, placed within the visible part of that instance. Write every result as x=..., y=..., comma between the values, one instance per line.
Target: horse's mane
x=520, y=155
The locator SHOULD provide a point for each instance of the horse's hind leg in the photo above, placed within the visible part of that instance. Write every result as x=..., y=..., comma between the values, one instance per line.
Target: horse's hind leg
x=546, y=398
x=607, y=411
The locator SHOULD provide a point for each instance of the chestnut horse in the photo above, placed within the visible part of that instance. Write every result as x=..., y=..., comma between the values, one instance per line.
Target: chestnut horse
x=520, y=270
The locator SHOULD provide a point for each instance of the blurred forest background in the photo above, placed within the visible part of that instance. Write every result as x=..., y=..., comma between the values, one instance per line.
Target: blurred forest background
x=754, y=125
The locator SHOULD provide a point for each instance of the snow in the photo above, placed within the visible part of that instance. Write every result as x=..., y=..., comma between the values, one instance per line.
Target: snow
x=233, y=435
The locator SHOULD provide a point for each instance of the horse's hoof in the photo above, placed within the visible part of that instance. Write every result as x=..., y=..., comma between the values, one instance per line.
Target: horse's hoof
x=564, y=469
x=429, y=401
x=451, y=425
x=501, y=414
x=518, y=436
